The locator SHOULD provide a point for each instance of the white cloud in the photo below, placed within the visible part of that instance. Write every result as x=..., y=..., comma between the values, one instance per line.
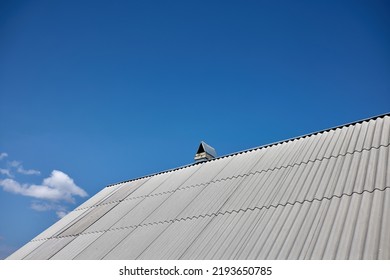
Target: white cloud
x=6, y=172
x=3, y=155
x=14, y=163
x=10, y=185
x=50, y=195
x=27, y=171
x=61, y=181
x=20, y=169
x=44, y=206
x=41, y=206
x=58, y=186
x=61, y=214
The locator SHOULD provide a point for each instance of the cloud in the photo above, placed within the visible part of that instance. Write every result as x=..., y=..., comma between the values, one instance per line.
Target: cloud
x=10, y=185
x=61, y=181
x=41, y=207
x=51, y=195
x=58, y=186
x=6, y=172
x=3, y=155
x=44, y=206
x=16, y=166
x=61, y=214
x=28, y=171
x=20, y=169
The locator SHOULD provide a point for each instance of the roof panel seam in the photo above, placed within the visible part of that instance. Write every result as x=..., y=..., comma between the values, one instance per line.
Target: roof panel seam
x=224, y=213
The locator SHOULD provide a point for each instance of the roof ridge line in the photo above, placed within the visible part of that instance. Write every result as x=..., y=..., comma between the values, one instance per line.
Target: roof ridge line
x=254, y=148
x=236, y=177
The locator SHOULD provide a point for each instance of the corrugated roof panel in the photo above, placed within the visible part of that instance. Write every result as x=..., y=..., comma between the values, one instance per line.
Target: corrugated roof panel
x=285, y=230
x=208, y=171
x=362, y=138
x=238, y=200
x=361, y=225
x=300, y=232
x=141, y=211
x=76, y=246
x=382, y=173
x=290, y=223
x=177, y=180
x=136, y=242
x=340, y=147
x=100, y=196
x=114, y=215
x=233, y=228
x=176, y=238
x=351, y=207
x=372, y=124
x=258, y=190
x=49, y=248
x=273, y=156
x=62, y=224
x=269, y=159
x=372, y=232
x=292, y=188
x=243, y=229
x=354, y=138
x=201, y=244
x=385, y=131
x=151, y=184
x=240, y=165
x=263, y=230
x=125, y=190
x=387, y=170
x=361, y=172
x=224, y=229
x=25, y=250
x=376, y=141
x=174, y=204
x=92, y=216
x=323, y=247
x=211, y=199
x=384, y=226
x=323, y=144
x=337, y=215
x=102, y=245
x=273, y=242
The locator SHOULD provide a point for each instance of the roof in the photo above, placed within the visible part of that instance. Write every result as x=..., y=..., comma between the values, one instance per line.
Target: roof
x=325, y=195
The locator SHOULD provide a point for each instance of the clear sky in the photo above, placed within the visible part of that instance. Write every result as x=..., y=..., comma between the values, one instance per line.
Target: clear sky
x=97, y=92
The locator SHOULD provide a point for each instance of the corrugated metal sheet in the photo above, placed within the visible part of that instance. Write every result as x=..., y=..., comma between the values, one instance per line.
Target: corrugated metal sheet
x=320, y=196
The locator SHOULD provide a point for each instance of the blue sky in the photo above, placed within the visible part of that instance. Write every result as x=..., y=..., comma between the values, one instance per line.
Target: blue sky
x=97, y=92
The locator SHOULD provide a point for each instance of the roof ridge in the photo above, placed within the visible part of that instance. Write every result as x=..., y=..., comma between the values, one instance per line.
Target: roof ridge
x=234, y=177
x=256, y=148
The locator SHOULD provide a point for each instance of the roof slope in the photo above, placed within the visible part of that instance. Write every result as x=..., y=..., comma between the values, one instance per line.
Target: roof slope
x=320, y=196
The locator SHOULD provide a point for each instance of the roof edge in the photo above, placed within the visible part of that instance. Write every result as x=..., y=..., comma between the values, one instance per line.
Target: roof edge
x=255, y=148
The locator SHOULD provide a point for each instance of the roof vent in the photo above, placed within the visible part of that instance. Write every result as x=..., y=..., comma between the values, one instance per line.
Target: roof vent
x=205, y=152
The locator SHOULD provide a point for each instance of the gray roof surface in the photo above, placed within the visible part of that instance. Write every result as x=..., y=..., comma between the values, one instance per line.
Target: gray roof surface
x=320, y=196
